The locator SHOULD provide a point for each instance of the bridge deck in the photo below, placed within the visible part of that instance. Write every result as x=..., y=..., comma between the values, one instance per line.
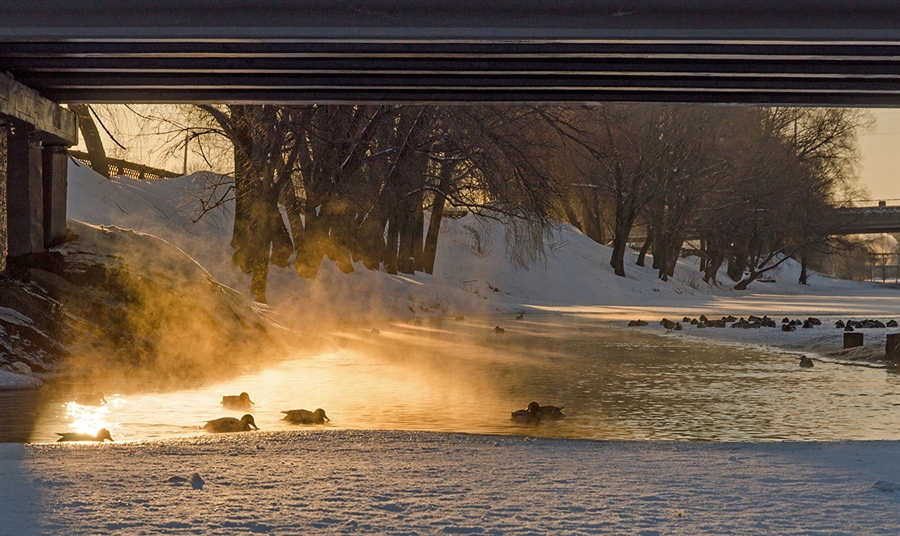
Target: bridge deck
x=804, y=52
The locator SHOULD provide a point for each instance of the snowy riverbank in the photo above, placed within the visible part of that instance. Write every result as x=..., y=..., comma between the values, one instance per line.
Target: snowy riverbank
x=425, y=483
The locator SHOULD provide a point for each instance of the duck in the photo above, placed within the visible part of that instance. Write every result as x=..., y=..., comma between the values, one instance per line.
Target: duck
x=532, y=415
x=668, y=324
x=638, y=323
x=553, y=413
x=302, y=416
x=90, y=399
x=521, y=316
x=230, y=424
x=806, y=362
x=498, y=329
x=240, y=402
x=102, y=434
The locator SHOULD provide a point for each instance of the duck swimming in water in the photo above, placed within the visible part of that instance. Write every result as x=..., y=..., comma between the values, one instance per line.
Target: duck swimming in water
x=240, y=402
x=302, y=416
x=532, y=415
x=230, y=424
x=806, y=362
x=552, y=413
x=102, y=434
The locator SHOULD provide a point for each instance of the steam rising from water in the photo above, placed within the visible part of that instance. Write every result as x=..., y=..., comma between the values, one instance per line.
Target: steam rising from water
x=445, y=375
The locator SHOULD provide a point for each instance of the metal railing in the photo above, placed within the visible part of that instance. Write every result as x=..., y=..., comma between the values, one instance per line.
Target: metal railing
x=124, y=168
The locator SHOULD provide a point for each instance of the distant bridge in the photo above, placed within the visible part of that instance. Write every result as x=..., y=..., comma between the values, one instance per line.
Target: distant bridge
x=865, y=220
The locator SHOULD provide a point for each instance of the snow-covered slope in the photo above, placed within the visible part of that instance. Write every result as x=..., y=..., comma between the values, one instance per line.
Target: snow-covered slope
x=472, y=271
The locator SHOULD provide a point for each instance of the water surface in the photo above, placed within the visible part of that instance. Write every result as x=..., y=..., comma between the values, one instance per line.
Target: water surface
x=460, y=376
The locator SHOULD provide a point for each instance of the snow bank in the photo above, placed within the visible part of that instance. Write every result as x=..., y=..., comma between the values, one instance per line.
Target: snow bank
x=472, y=271
x=417, y=482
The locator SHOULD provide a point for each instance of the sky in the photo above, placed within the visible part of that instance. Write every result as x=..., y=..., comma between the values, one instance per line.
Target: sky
x=880, y=151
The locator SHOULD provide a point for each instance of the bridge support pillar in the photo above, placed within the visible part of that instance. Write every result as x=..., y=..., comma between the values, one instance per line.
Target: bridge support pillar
x=34, y=134
x=24, y=191
x=54, y=180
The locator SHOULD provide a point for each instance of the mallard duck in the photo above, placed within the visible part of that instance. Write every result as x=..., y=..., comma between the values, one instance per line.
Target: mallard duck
x=553, y=413
x=806, y=362
x=230, y=424
x=240, y=402
x=102, y=434
x=520, y=316
x=498, y=329
x=90, y=399
x=532, y=415
x=302, y=416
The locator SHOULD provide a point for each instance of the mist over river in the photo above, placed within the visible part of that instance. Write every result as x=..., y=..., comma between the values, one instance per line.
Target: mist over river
x=448, y=375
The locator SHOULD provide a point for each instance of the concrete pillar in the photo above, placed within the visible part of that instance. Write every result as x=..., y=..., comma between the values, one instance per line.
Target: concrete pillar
x=55, y=182
x=852, y=339
x=892, y=347
x=24, y=190
x=3, y=222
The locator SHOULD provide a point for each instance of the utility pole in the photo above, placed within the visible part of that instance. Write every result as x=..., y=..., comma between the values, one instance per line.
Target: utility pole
x=186, y=140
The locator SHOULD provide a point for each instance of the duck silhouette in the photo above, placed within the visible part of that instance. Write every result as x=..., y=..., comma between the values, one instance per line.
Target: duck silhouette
x=552, y=413
x=303, y=416
x=532, y=415
x=806, y=362
x=230, y=424
x=240, y=402
x=498, y=329
x=102, y=434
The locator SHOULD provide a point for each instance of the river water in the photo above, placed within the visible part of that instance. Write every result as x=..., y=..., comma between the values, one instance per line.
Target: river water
x=460, y=376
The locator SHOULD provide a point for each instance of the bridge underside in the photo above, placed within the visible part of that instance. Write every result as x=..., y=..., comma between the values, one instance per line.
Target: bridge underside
x=867, y=220
x=754, y=52
x=804, y=52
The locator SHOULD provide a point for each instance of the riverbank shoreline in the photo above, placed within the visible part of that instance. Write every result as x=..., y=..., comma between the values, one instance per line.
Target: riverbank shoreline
x=349, y=481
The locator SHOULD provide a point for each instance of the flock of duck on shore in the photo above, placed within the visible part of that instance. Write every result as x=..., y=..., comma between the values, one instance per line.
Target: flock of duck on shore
x=754, y=321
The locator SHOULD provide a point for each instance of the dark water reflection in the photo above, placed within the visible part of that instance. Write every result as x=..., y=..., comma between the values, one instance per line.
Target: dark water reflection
x=446, y=375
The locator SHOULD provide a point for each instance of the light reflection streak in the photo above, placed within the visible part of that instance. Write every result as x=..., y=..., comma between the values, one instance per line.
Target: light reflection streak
x=87, y=419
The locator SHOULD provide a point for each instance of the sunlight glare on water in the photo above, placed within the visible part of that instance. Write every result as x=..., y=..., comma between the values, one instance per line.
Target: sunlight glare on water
x=443, y=375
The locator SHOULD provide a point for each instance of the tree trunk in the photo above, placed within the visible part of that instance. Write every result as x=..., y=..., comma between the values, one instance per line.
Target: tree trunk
x=716, y=259
x=390, y=261
x=620, y=243
x=406, y=231
x=418, y=235
x=645, y=247
x=737, y=263
x=803, y=267
x=743, y=283
x=703, y=256
x=91, y=138
x=437, y=214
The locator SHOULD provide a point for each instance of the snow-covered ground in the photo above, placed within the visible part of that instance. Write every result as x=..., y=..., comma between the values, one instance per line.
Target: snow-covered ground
x=424, y=483
x=348, y=481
